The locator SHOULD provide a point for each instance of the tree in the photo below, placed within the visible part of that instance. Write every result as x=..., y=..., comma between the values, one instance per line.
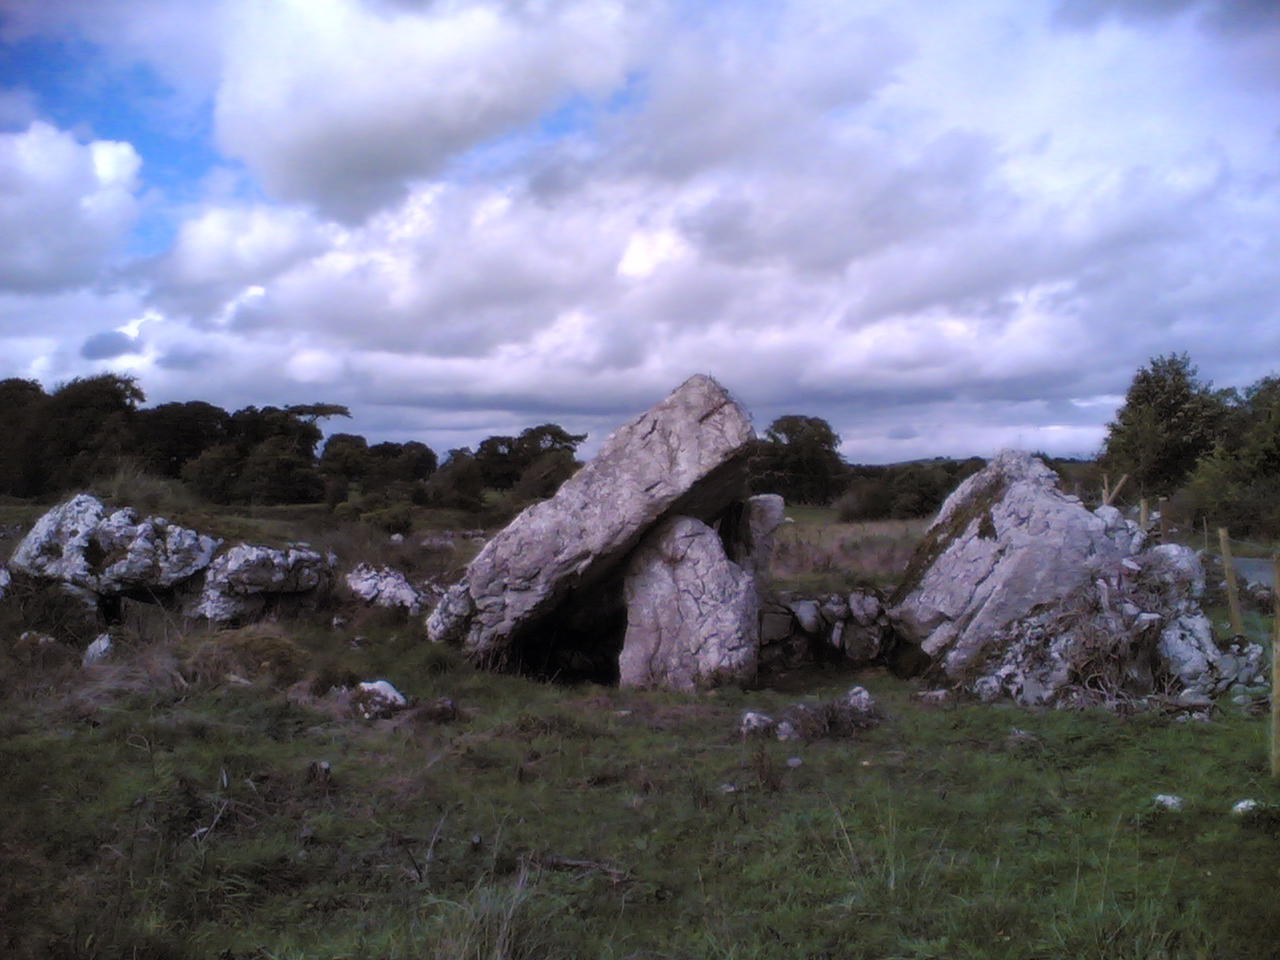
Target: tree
x=171, y=435
x=799, y=459
x=458, y=483
x=88, y=428
x=21, y=470
x=1168, y=421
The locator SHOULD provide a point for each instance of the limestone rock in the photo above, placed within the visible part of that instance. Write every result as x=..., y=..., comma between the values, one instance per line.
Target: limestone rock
x=749, y=542
x=377, y=700
x=80, y=544
x=1005, y=542
x=808, y=615
x=238, y=584
x=685, y=456
x=691, y=612
x=383, y=587
x=98, y=651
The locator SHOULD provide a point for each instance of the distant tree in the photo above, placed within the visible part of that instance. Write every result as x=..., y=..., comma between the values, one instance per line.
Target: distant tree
x=344, y=462
x=458, y=484
x=799, y=459
x=504, y=460
x=22, y=471
x=215, y=473
x=276, y=471
x=88, y=429
x=169, y=436
x=498, y=461
x=1169, y=420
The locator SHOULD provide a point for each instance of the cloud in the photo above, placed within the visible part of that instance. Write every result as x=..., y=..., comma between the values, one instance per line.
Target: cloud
x=108, y=345
x=64, y=207
x=340, y=105
x=224, y=249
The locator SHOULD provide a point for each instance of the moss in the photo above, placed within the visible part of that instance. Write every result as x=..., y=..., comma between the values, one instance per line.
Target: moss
x=939, y=537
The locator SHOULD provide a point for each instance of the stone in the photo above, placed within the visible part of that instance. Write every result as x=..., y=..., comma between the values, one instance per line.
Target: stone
x=754, y=723
x=377, y=700
x=383, y=587
x=80, y=544
x=692, y=613
x=5, y=579
x=865, y=609
x=859, y=700
x=808, y=614
x=1004, y=543
x=518, y=597
x=98, y=651
x=775, y=624
x=748, y=532
x=240, y=583
x=786, y=732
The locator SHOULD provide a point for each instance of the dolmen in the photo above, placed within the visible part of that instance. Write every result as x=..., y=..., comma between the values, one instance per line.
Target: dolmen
x=644, y=567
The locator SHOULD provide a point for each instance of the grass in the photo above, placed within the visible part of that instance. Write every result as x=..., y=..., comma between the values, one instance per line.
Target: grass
x=184, y=817
x=816, y=554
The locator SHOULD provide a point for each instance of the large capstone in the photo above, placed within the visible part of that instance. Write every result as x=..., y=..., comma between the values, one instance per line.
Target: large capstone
x=546, y=592
x=692, y=613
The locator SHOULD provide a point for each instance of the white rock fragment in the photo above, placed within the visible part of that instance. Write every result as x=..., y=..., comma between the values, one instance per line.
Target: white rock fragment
x=377, y=699
x=752, y=722
x=1168, y=801
x=859, y=700
x=97, y=651
x=1245, y=806
x=384, y=587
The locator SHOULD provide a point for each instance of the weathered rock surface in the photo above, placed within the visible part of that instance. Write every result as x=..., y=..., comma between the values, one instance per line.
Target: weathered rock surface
x=384, y=587
x=239, y=583
x=80, y=544
x=683, y=457
x=691, y=612
x=748, y=530
x=1020, y=592
x=1005, y=542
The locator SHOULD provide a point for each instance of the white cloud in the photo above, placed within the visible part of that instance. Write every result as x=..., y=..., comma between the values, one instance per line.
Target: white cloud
x=339, y=104
x=64, y=207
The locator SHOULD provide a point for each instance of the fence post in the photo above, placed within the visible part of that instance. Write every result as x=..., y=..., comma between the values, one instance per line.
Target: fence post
x=1144, y=514
x=1275, y=669
x=1233, y=592
x=1164, y=521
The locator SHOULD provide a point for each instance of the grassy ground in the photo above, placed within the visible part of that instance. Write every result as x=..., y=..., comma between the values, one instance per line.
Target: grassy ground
x=816, y=554
x=146, y=815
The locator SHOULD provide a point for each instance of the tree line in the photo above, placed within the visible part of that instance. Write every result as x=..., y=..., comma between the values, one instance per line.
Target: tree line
x=91, y=428
x=1214, y=453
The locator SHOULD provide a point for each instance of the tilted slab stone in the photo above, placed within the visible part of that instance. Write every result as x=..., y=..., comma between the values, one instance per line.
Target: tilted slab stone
x=692, y=613
x=83, y=545
x=683, y=456
x=1005, y=542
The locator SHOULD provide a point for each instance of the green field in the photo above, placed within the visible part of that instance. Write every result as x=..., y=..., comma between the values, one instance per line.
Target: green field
x=151, y=816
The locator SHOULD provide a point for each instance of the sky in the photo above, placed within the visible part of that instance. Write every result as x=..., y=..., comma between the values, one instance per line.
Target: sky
x=944, y=226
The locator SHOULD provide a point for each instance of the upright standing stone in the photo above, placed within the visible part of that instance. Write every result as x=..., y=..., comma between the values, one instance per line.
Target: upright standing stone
x=692, y=613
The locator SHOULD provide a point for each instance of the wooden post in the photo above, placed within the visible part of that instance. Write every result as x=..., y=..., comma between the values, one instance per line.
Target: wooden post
x=1233, y=592
x=1164, y=520
x=1109, y=496
x=1144, y=514
x=1275, y=669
